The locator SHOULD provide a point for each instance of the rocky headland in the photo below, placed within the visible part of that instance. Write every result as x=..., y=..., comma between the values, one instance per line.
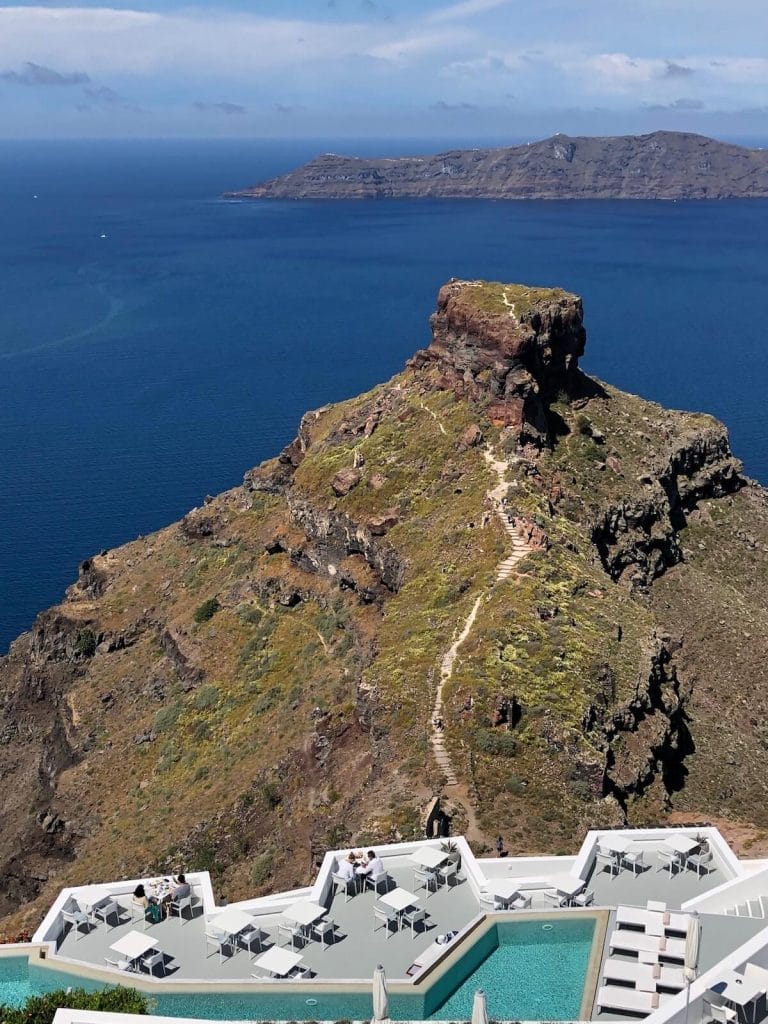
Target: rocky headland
x=661, y=165
x=573, y=579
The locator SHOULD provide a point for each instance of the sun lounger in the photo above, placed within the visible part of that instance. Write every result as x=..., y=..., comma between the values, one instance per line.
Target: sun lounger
x=628, y=1000
x=636, y=917
x=635, y=942
x=628, y=971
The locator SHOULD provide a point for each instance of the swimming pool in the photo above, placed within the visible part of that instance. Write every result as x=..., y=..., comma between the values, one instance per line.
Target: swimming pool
x=531, y=969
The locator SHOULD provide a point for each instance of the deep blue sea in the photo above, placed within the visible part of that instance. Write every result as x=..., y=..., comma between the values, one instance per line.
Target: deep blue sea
x=156, y=341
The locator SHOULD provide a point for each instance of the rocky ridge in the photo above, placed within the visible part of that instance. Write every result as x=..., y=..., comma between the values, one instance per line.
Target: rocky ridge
x=660, y=165
x=573, y=577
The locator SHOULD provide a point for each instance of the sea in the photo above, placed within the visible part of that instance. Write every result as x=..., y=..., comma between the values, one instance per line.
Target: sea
x=156, y=340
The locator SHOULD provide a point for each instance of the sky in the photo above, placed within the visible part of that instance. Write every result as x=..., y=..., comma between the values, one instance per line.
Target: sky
x=383, y=68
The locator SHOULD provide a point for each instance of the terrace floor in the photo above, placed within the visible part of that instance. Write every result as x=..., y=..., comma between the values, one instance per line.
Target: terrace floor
x=354, y=954
x=632, y=890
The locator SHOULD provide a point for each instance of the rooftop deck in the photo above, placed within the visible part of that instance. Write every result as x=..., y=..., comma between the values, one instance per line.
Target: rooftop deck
x=653, y=883
x=354, y=954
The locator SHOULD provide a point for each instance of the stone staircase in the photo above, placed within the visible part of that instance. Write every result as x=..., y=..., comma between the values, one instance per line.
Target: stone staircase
x=519, y=548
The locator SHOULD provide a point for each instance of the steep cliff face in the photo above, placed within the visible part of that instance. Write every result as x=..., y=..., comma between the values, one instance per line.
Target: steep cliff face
x=661, y=165
x=200, y=693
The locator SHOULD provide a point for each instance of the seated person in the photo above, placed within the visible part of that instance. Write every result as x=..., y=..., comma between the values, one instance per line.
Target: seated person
x=347, y=867
x=374, y=865
x=181, y=889
x=140, y=897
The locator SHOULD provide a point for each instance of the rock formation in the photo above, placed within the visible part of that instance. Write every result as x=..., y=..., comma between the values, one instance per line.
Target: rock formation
x=661, y=165
x=291, y=632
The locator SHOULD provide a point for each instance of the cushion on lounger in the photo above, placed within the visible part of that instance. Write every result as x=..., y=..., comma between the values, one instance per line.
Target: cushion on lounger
x=657, y=970
x=666, y=919
x=663, y=943
x=654, y=999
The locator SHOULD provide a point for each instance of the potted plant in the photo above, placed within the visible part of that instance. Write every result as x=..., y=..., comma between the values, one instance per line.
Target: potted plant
x=450, y=847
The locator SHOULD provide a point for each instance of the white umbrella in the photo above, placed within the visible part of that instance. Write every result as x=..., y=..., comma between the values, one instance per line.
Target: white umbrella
x=691, y=962
x=479, y=1008
x=380, y=996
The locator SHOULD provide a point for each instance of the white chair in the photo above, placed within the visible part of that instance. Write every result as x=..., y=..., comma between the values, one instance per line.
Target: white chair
x=120, y=965
x=700, y=862
x=106, y=910
x=153, y=960
x=447, y=872
x=721, y=1014
x=669, y=861
x=374, y=881
x=490, y=902
x=606, y=861
x=423, y=878
x=635, y=861
x=415, y=916
x=323, y=930
x=178, y=906
x=585, y=898
x=292, y=930
x=340, y=882
x=247, y=939
x=217, y=940
x=385, y=917
x=77, y=919
x=557, y=899
x=520, y=902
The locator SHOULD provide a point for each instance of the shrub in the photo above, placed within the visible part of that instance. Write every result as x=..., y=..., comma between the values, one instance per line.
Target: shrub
x=206, y=611
x=167, y=717
x=85, y=645
x=262, y=867
x=206, y=697
x=500, y=744
x=41, y=1009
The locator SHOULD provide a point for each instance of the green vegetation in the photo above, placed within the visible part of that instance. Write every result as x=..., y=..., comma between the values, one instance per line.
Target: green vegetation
x=85, y=645
x=206, y=611
x=41, y=1009
x=488, y=296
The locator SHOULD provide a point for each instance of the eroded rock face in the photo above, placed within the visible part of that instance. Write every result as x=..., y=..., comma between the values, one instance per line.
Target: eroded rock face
x=512, y=346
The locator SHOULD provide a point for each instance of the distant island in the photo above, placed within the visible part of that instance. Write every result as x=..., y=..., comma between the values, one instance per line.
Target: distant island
x=662, y=165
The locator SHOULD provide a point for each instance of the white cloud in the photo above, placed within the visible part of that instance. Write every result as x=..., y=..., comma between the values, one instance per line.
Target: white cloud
x=466, y=9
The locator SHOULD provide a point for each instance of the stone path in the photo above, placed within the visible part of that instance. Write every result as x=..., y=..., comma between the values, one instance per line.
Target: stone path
x=504, y=570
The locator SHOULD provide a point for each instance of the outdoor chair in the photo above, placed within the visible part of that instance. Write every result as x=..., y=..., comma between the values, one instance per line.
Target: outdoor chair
x=248, y=938
x=447, y=872
x=293, y=931
x=426, y=879
x=153, y=960
x=107, y=910
x=216, y=940
x=490, y=901
x=701, y=863
x=634, y=861
x=520, y=902
x=120, y=965
x=178, y=906
x=669, y=861
x=77, y=919
x=605, y=861
x=585, y=898
x=721, y=1014
x=374, y=881
x=557, y=899
x=344, y=883
x=414, y=917
x=385, y=916
x=323, y=930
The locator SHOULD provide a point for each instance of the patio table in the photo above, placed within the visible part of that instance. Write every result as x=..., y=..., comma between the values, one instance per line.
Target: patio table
x=90, y=896
x=399, y=899
x=504, y=888
x=428, y=856
x=304, y=913
x=741, y=993
x=231, y=922
x=569, y=887
x=278, y=961
x=681, y=844
x=616, y=844
x=134, y=945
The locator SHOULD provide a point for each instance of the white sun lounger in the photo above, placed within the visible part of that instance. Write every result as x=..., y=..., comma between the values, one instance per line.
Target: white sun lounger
x=629, y=1000
x=636, y=917
x=637, y=942
x=628, y=971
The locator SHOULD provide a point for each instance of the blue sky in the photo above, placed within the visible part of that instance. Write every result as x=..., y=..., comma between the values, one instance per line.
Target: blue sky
x=468, y=68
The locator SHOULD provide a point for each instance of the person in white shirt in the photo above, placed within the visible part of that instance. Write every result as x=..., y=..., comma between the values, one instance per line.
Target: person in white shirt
x=347, y=868
x=374, y=865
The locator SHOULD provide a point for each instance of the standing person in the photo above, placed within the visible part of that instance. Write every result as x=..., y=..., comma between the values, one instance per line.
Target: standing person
x=500, y=846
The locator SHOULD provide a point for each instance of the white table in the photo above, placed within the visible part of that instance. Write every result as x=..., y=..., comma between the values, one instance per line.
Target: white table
x=681, y=844
x=278, y=961
x=616, y=844
x=232, y=921
x=399, y=899
x=504, y=888
x=304, y=913
x=91, y=896
x=428, y=856
x=740, y=992
x=134, y=945
x=569, y=887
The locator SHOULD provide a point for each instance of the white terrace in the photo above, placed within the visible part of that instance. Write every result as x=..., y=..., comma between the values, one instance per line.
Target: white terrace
x=684, y=869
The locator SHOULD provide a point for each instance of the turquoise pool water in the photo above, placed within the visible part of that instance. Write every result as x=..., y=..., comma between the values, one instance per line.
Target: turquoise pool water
x=530, y=970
